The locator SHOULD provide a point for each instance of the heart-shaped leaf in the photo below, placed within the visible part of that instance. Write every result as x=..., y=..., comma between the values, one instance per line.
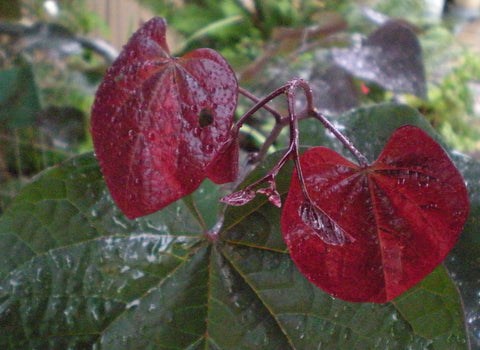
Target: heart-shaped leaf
x=403, y=213
x=161, y=124
x=390, y=57
x=75, y=273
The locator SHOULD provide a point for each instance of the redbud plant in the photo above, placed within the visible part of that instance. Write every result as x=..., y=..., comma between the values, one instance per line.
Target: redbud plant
x=161, y=240
x=363, y=232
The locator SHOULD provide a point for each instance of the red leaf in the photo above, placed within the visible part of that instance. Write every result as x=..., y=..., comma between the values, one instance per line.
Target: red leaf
x=401, y=216
x=160, y=123
x=224, y=166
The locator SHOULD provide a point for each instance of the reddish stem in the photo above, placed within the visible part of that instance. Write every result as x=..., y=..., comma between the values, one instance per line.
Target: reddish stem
x=261, y=104
x=247, y=193
x=255, y=99
x=362, y=160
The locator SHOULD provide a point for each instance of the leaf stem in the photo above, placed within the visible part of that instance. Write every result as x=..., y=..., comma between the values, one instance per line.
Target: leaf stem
x=313, y=112
x=245, y=195
x=248, y=193
x=294, y=130
x=362, y=160
x=280, y=121
x=255, y=99
x=261, y=103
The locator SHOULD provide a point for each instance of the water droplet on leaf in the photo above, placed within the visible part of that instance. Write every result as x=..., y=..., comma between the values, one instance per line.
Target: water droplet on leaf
x=151, y=136
x=389, y=209
x=178, y=137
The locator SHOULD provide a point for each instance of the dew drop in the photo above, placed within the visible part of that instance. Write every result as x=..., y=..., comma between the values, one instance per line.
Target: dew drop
x=197, y=132
x=119, y=222
x=133, y=303
x=121, y=287
x=119, y=78
x=95, y=314
x=347, y=334
x=137, y=274
x=151, y=136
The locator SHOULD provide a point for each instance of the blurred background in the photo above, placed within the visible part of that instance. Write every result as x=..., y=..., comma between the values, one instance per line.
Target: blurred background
x=53, y=54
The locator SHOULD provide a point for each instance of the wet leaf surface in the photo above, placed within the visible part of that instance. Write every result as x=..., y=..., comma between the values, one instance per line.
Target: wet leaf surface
x=76, y=273
x=463, y=263
x=404, y=214
x=161, y=124
x=369, y=128
x=391, y=57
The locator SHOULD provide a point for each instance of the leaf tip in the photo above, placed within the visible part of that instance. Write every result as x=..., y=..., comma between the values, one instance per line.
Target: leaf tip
x=238, y=198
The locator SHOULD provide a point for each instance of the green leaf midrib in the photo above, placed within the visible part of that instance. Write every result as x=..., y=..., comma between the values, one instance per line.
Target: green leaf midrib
x=264, y=303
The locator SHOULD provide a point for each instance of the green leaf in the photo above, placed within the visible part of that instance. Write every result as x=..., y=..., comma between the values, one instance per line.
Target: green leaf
x=72, y=265
x=257, y=223
x=19, y=100
x=369, y=128
x=433, y=310
x=75, y=273
x=463, y=261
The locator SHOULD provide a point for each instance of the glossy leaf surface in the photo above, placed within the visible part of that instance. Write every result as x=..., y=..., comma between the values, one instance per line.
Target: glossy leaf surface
x=161, y=124
x=76, y=273
x=404, y=214
x=370, y=128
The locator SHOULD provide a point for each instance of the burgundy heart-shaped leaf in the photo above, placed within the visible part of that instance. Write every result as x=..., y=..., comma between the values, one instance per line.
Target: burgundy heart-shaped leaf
x=395, y=220
x=162, y=124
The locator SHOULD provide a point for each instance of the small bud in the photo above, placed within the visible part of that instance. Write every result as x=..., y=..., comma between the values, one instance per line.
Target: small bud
x=272, y=195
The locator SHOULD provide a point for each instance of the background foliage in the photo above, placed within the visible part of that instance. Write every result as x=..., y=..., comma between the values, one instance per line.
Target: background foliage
x=74, y=272
x=77, y=273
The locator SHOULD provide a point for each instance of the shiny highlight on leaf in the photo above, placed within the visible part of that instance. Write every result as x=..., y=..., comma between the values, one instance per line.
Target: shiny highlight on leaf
x=161, y=124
